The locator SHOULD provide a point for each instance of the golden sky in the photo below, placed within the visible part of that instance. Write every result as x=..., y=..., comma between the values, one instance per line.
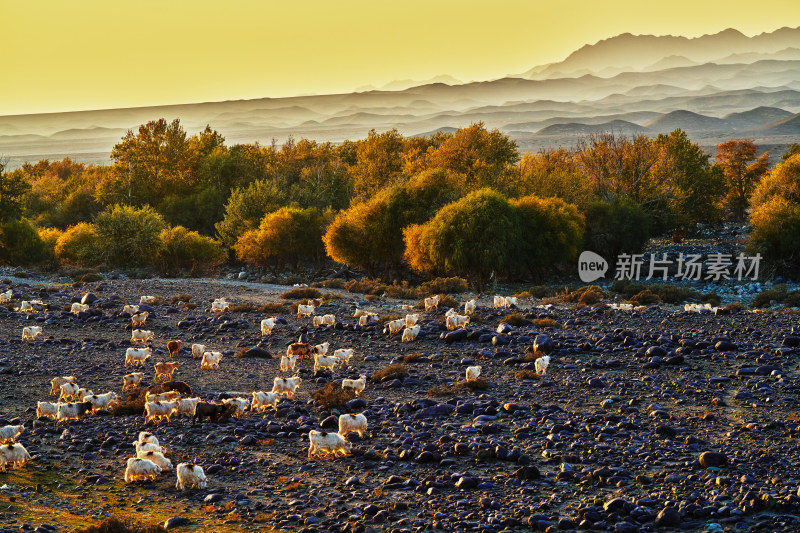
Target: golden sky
x=94, y=54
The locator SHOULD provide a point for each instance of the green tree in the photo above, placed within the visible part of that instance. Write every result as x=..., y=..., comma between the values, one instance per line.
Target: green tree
x=12, y=192
x=246, y=208
x=129, y=236
x=378, y=163
x=20, y=243
x=742, y=171
x=613, y=228
x=182, y=249
x=79, y=245
x=287, y=235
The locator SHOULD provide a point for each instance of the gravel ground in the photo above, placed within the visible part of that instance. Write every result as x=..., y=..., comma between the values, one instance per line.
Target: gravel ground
x=646, y=421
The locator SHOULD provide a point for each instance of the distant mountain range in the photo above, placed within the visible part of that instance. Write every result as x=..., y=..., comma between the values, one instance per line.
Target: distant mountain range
x=715, y=87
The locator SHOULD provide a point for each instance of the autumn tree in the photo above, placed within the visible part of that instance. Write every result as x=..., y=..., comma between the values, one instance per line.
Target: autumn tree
x=378, y=163
x=288, y=235
x=12, y=191
x=553, y=173
x=742, y=171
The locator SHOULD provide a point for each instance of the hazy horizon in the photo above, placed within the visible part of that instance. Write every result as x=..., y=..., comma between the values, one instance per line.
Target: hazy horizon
x=92, y=55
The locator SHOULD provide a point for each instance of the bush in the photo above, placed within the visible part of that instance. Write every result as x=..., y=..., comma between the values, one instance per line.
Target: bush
x=301, y=293
x=527, y=375
x=333, y=396
x=645, y=297
x=20, y=243
x=180, y=298
x=91, y=277
x=390, y=373
x=587, y=295
x=272, y=308
x=454, y=285
x=402, y=291
x=615, y=228
x=335, y=283
x=365, y=286
x=115, y=525
x=541, y=291
x=133, y=404
x=243, y=308
x=776, y=233
x=770, y=296
x=792, y=299
x=553, y=232
x=79, y=245
x=129, y=236
x=516, y=320
x=414, y=358
x=287, y=235
x=182, y=249
x=462, y=386
x=49, y=237
x=734, y=307
x=546, y=323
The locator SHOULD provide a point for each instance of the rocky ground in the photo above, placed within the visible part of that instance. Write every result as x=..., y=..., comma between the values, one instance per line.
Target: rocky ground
x=655, y=420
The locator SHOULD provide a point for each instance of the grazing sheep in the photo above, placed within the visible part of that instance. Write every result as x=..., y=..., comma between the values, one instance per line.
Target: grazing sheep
x=55, y=383
x=156, y=458
x=410, y=334
x=147, y=447
x=158, y=411
x=364, y=320
x=220, y=305
x=511, y=300
x=31, y=332
x=267, y=325
x=694, y=308
x=324, y=320
x=541, y=365
x=300, y=350
x=149, y=300
x=473, y=373
x=288, y=363
x=13, y=454
x=130, y=381
x=450, y=312
x=322, y=349
x=356, y=384
x=241, y=405
x=262, y=400
x=412, y=319
x=145, y=437
x=210, y=360
x=72, y=411
x=137, y=355
x=214, y=411
x=102, y=401
x=396, y=326
x=316, y=302
x=47, y=409
x=6, y=296
x=34, y=306
x=432, y=303
x=68, y=390
x=138, y=320
x=190, y=476
x=351, y=423
x=198, y=350
x=174, y=348
x=286, y=386
x=343, y=355
x=456, y=321
x=500, y=301
x=141, y=469
x=305, y=310
x=169, y=396
x=165, y=370
x=625, y=307
x=186, y=406
x=130, y=309
x=77, y=308
x=141, y=336
x=469, y=307
x=323, y=361
x=324, y=443
x=82, y=393
x=10, y=433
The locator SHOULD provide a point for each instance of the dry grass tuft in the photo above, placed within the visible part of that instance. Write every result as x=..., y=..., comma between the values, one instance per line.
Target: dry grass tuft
x=527, y=375
x=389, y=373
x=588, y=295
x=365, y=286
x=454, y=285
x=645, y=297
x=333, y=396
x=242, y=308
x=546, y=323
x=479, y=384
x=272, y=308
x=414, y=357
x=301, y=293
x=402, y=291
x=180, y=298
x=115, y=525
x=515, y=319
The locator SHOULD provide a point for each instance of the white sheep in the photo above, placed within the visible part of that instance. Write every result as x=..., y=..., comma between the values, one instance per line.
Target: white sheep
x=6, y=296
x=82, y=393
x=141, y=469
x=622, y=307
x=511, y=300
x=262, y=400
x=351, y=423
x=322, y=349
x=469, y=307
x=102, y=401
x=149, y=300
x=169, y=396
x=141, y=336
x=343, y=355
x=456, y=321
x=324, y=320
x=31, y=332
x=500, y=301
x=130, y=381
x=541, y=365
x=324, y=443
x=356, y=384
x=156, y=458
x=473, y=372
x=412, y=319
x=267, y=325
x=396, y=326
x=47, y=409
x=77, y=308
x=364, y=320
x=324, y=362
x=190, y=476
x=288, y=363
x=410, y=334
x=287, y=386
x=14, y=455
x=147, y=447
x=186, y=406
x=137, y=355
x=146, y=437
x=10, y=433
x=158, y=411
x=305, y=310
x=138, y=320
x=33, y=306
x=130, y=309
x=432, y=303
x=220, y=305
x=241, y=405
x=71, y=411
x=210, y=360
x=55, y=383
x=68, y=390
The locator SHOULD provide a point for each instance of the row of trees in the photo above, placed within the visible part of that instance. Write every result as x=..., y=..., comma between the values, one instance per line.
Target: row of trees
x=365, y=202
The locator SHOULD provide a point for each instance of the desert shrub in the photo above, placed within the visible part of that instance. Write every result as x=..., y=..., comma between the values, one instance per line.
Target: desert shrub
x=414, y=357
x=20, y=243
x=335, y=283
x=522, y=294
x=473, y=236
x=370, y=297
x=738, y=306
x=79, y=245
x=769, y=296
x=133, y=404
x=389, y=373
x=273, y=308
x=615, y=228
x=645, y=297
x=516, y=320
x=673, y=294
x=180, y=298
x=188, y=250
x=541, y=291
x=91, y=277
x=288, y=235
x=242, y=308
x=553, y=232
x=333, y=396
x=587, y=295
x=49, y=237
x=301, y=293
x=129, y=236
x=527, y=375
x=401, y=291
x=627, y=287
x=462, y=386
x=792, y=299
x=365, y=286
x=776, y=233
x=546, y=323
x=711, y=298
x=246, y=207
x=115, y=525
x=189, y=306
x=454, y=285
x=447, y=301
